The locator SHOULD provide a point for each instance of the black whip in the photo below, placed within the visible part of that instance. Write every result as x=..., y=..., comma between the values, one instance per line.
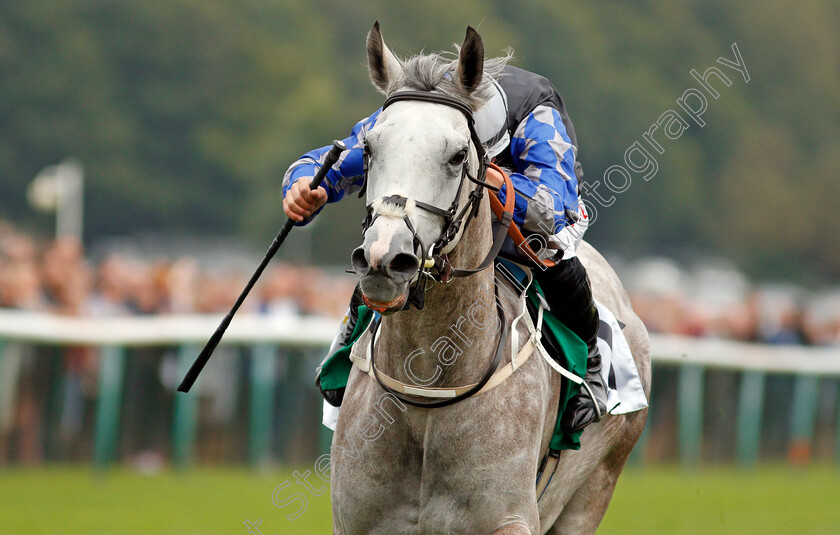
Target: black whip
x=332, y=156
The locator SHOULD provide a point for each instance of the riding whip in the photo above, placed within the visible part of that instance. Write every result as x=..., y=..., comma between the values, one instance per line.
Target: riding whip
x=332, y=156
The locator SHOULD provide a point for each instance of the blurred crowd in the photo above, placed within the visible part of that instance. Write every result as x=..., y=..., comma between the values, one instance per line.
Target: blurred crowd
x=57, y=277
x=700, y=300
x=713, y=299
x=47, y=394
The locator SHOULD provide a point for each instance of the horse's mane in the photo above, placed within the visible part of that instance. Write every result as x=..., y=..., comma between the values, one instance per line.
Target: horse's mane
x=435, y=72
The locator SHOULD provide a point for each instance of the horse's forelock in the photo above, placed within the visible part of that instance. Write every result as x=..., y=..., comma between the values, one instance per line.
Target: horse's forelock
x=436, y=72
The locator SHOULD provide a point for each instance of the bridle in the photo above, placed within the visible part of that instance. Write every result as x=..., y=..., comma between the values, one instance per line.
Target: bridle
x=435, y=266
x=434, y=260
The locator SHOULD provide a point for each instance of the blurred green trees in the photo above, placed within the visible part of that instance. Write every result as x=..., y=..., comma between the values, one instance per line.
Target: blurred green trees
x=187, y=113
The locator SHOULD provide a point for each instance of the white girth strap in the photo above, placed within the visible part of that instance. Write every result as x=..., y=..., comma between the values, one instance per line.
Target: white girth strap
x=514, y=332
x=518, y=358
x=524, y=353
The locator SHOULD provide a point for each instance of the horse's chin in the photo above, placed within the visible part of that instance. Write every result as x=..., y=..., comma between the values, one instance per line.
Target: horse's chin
x=386, y=308
x=384, y=296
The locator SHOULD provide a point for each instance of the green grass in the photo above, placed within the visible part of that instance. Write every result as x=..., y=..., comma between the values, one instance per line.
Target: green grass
x=774, y=500
x=650, y=501
x=205, y=501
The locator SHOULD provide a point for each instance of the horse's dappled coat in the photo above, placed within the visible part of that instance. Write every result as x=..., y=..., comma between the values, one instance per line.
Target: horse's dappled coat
x=468, y=467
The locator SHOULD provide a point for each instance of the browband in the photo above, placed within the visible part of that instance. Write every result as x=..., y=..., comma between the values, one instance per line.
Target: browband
x=437, y=98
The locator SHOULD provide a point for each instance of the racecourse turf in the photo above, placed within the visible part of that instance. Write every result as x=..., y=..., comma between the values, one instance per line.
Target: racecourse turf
x=649, y=500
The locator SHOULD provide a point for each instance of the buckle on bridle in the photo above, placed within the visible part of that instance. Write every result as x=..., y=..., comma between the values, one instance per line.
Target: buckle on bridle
x=451, y=232
x=445, y=269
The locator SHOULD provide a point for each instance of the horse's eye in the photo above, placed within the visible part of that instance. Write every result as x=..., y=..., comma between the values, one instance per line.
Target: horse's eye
x=459, y=158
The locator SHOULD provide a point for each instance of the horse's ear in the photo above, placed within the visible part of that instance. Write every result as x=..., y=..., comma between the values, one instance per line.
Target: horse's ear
x=471, y=61
x=382, y=63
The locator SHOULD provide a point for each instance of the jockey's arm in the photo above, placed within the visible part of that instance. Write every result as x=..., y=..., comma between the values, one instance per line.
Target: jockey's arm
x=545, y=179
x=346, y=176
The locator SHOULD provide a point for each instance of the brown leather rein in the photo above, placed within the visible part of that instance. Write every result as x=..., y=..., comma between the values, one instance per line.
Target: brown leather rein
x=513, y=229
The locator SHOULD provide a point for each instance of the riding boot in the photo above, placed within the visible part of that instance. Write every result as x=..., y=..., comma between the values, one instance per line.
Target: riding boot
x=569, y=294
x=345, y=332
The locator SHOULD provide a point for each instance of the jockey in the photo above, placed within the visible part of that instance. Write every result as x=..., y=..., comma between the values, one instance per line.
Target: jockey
x=525, y=128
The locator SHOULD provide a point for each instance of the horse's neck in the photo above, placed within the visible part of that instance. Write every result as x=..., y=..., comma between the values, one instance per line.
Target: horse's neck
x=455, y=334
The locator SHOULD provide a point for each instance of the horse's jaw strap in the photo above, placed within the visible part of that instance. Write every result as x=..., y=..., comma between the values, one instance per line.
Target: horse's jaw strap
x=445, y=270
x=505, y=216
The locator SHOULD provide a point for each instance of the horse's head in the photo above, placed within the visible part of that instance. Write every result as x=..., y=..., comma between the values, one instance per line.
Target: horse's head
x=418, y=154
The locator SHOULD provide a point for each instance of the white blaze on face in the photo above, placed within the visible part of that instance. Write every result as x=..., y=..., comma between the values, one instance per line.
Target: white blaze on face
x=385, y=230
x=390, y=220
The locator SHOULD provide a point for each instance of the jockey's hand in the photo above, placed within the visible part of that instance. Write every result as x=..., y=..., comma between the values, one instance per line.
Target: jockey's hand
x=494, y=178
x=301, y=202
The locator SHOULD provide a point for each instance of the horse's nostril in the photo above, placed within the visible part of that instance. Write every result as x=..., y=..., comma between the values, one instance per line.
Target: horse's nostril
x=360, y=263
x=404, y=264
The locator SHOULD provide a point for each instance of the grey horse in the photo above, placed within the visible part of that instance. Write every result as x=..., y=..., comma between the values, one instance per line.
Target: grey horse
x=471, y=466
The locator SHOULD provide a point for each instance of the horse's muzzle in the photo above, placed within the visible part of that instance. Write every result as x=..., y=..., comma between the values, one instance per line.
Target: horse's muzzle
x=385, y=286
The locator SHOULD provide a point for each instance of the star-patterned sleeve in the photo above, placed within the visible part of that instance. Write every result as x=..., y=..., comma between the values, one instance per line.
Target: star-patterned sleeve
x=545, y=179
x=346, y=176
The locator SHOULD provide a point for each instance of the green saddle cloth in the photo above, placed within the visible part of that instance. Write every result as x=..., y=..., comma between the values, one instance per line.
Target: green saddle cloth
x=336, y=369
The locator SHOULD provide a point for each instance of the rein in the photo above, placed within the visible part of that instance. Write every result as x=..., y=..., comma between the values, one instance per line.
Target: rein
x=455, y=220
